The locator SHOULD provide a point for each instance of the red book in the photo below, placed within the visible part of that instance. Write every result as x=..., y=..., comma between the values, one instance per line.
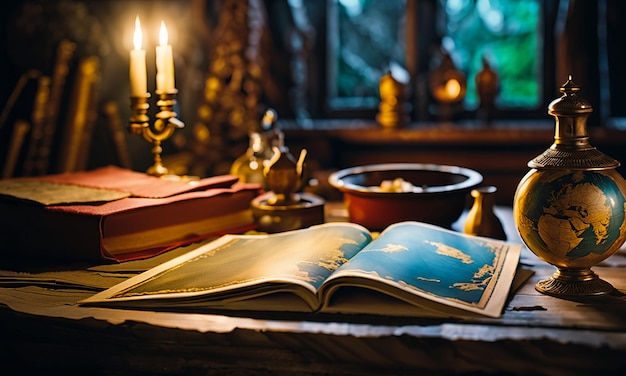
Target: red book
x=117, y=214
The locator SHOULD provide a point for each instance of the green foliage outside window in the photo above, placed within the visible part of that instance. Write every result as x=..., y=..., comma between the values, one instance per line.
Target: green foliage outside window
x=507, y=33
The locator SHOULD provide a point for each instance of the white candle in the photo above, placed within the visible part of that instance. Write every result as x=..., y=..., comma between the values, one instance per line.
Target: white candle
x=164, y=62
x=138, y=76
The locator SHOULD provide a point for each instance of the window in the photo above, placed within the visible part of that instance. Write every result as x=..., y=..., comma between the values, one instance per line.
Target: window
x=368, y=38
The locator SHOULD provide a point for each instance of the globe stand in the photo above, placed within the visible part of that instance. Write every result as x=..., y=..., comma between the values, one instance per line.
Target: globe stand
x=574, y=283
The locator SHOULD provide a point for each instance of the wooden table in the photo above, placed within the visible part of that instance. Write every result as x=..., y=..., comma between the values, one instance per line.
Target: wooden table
x=40, y=331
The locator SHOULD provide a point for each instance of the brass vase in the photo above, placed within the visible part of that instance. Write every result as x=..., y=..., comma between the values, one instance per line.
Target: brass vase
x=481, y=218
x=569, y=208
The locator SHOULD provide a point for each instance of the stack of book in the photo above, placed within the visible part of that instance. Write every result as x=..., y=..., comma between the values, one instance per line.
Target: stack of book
x=117, y=214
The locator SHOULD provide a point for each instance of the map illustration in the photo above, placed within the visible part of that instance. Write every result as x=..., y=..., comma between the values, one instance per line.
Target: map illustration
x=306, y=256
x=443, y=264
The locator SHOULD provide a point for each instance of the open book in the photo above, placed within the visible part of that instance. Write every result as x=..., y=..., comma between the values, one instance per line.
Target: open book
x=410, y=269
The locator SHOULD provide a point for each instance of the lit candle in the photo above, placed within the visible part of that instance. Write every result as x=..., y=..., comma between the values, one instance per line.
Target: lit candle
x=164, y=62
x=138, y=78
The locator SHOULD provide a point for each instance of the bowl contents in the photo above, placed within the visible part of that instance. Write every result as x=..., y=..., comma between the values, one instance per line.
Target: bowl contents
x=395, y=185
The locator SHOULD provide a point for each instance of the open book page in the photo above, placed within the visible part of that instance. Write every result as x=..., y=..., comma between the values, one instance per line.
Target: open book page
x=429, y=267
x=237, y=268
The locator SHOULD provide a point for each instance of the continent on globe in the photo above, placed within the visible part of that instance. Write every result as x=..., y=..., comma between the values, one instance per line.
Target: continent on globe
x=572, y=212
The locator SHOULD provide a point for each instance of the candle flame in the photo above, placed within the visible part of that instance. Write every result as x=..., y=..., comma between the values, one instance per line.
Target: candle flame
x=453, y=88
x=163, y=34
x=137, y=35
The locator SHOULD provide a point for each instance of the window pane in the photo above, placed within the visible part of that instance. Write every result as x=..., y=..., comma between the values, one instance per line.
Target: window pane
x=507, y=33
x=367, y=40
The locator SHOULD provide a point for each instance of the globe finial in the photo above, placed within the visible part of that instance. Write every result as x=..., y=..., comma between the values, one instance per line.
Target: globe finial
x=569, y=87
x=571, y=148
x=569, y=104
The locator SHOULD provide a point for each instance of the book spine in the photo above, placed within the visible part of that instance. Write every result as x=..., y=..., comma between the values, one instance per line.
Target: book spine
x=16, y=93
x=92, y=112
x=65, y=52
x=20, y=130
x=116, y=130
x=42, y=97
x=82, y=116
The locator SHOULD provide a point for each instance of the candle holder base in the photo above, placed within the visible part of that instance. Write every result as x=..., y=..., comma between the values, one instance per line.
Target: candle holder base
x=307, y=211
x=157, y=170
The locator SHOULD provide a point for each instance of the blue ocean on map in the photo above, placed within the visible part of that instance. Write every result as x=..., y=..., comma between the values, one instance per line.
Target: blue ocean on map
x=440, y=263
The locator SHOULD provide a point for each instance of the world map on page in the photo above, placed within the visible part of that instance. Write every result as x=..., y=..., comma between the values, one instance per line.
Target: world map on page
x=437, y=263
x=309, y=256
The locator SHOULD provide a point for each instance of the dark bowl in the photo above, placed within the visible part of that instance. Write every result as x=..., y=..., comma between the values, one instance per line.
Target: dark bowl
x=438, y=193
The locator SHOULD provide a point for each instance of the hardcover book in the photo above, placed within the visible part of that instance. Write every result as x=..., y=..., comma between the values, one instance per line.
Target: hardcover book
x=117, y=214
x=410, y=269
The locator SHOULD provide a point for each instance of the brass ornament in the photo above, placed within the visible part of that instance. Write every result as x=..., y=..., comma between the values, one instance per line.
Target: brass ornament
x=284, y=207
x=249, y=167
x=164, y=126
x=481, y=218
x=393, y=109
x=487, y=87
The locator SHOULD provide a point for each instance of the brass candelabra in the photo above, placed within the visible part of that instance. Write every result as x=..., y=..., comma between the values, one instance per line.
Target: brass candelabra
x=164, y=125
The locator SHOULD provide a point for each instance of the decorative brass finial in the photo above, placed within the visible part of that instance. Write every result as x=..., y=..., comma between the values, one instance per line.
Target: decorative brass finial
x=569, y=104
x=571, y=147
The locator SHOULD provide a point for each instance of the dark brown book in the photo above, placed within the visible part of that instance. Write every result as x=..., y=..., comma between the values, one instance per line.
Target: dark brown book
x=117, y=214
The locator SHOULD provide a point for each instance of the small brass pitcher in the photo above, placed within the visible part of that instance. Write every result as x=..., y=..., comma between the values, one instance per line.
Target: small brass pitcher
x=481, y=219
